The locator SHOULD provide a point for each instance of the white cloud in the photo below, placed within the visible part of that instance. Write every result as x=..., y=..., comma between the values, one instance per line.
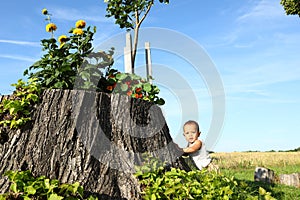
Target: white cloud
x=254, y=25
x=71, y=14
x=17, y=57
x=265, y=9
x=17, y=42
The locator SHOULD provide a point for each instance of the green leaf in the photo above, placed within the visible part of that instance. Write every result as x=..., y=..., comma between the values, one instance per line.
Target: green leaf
x=12, y=110
x=121, y=76
x=135, y=77
x=47, y=183
x=153, y=197
x=2, y=197
x=75, y=186
x=124, y=87
x=26, y=198
x=160, y=101
x=13, y=188
x=13, y=124
x=55, y=197
x=147, y=87
x=30, y=190
x=58, y=85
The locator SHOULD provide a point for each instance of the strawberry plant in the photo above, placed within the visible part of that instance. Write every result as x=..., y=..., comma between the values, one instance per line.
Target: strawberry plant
x=131, y=85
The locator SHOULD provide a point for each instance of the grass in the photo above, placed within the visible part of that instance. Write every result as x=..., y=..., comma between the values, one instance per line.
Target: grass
x=242, y=165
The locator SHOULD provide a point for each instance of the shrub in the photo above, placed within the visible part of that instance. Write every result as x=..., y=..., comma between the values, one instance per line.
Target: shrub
x=159, y=183
x=15, y=111
x=25, y=186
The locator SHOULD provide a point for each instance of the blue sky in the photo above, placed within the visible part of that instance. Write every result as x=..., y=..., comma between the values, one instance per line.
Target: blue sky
x=253, y=45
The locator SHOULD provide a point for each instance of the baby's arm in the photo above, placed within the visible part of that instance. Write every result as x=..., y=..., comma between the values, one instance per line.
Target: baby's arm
x=194, y=147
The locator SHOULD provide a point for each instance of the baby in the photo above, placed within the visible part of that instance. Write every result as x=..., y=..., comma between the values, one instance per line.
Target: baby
x=196, y=148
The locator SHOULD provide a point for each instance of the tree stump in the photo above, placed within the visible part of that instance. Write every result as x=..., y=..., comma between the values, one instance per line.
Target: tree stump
x=290, y=179
x=264, y=175
x=93, y=138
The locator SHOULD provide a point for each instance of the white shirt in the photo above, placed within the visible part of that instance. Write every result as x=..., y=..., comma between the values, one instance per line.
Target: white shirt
x=201, y=157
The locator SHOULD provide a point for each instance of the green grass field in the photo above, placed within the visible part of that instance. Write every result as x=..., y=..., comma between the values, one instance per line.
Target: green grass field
x=242, y=165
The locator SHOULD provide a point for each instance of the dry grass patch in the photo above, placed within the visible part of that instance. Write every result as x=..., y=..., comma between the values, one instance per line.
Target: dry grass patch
x=248, y=160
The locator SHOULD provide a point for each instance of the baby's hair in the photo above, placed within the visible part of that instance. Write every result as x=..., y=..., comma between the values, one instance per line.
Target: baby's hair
x=192, y=122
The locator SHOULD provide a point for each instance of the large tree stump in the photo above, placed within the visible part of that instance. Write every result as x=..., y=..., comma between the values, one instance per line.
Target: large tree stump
x=93, y=138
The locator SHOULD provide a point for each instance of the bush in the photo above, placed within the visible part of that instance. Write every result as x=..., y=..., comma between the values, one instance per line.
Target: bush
x=15, y=111
x=159, y=183
x=25, y=186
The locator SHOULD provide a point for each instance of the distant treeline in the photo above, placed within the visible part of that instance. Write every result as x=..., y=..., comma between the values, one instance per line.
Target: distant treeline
x=293, y=150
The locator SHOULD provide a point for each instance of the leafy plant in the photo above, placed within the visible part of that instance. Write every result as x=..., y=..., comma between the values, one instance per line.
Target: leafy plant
x=132, y=85
x=25, y=186
x=73, y=64
x=70, y=59
x=15, y=111
x=159, y=183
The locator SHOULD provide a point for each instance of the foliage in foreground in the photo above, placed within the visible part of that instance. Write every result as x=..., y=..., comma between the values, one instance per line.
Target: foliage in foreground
x=25, y=186
x=159, y=183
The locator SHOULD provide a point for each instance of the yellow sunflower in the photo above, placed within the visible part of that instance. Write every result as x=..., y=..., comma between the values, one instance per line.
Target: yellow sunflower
x=51, y=27
x=45, y=11
x=62, y=40
x=80, y=24
x=77, y=31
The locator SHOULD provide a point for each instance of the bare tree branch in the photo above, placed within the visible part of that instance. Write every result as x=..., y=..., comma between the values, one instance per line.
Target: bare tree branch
x=146, y=13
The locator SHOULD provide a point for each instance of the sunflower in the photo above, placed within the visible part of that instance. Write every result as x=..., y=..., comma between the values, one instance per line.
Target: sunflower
x=62, y=39
x=77, y=31
x=45, y=11
x=80, y=24
x=51, y=27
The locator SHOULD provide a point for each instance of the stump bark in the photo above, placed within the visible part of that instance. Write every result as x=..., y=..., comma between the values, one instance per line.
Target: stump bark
x=93, y=138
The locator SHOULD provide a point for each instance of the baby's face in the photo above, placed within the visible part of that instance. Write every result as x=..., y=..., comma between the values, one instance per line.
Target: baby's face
x=190, y=133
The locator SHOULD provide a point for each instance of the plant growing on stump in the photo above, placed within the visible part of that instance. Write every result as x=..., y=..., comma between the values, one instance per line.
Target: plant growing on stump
x=16, y=110
x=131, y=85
x=70, y=62
x=70, y=59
